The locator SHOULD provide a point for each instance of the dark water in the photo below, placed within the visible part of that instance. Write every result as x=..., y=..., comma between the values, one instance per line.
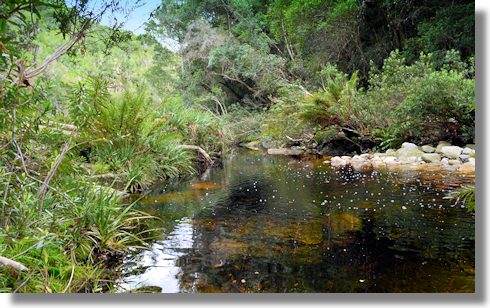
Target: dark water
x=275, y=224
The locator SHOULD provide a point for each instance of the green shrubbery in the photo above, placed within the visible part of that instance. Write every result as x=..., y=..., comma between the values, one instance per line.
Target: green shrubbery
x=415, y=102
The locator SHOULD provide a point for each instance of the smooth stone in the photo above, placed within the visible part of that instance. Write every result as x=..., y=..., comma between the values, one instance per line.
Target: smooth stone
x=294, y=151
x=253, y=145
x=338, y=162
x=445, y=161
x=405, y=153
x=440, y=145
x=390, y=152
x=365, y=156
x=464, y=157
x=362, y=166
x=431, y=157
x=410, y=145
x=428, y=149
x=454, y=162
x=391, y=160
x=472, y=161
x=467, y=167
x=468, y=151
x=408, y=160
x=451, y=152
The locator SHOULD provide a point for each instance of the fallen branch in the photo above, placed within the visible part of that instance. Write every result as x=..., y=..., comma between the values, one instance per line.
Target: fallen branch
x=44, y=187
x=13, y=264
x=207, y=158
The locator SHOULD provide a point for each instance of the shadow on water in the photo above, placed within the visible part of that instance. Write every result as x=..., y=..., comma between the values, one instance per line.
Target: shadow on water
x=274, y=224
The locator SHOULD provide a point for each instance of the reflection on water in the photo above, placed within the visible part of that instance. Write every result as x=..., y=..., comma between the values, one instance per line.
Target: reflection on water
x=274, y=224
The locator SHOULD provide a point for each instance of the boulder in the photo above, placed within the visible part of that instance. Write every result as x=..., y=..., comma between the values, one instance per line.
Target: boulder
x=409, y=145
x=390, y=152
x=362, y=166
x=464, y=157
x=428, y=149
x=253, y=145
x=431, y=157
x=440, y=145
x=445, y=161
x=294, y=151
x=407, y=152
x=338, y=162
x=390, y=160
x=467, y=167
x=454, y=162
x=468, y=151
x=451, y=152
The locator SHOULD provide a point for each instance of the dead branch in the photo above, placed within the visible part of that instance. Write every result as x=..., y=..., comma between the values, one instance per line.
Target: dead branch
x=207, y=158
x=44, y=187
x=13, y=264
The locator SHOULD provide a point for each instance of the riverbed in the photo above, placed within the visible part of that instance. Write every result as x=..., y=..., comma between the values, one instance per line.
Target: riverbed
x=265, y=223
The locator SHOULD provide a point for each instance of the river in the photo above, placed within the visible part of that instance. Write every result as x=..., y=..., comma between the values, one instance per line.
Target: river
x=277, y=224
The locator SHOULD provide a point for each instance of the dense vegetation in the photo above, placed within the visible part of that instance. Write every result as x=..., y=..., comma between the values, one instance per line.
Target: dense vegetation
x=89, y=112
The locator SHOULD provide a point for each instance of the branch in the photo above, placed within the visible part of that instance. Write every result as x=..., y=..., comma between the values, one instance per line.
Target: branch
x=13, y=264
x=207, y=158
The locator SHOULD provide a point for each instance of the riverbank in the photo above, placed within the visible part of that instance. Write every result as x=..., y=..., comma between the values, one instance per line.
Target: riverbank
x=409, y=156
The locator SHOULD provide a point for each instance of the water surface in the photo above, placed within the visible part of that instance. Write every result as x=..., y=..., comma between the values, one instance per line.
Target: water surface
x=275, y=224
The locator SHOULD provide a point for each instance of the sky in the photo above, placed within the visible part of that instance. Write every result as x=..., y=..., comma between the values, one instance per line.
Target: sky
x=140, y=15
x=135, y=22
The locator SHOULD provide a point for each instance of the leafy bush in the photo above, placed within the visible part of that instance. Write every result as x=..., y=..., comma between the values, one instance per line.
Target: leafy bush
x=420, y=104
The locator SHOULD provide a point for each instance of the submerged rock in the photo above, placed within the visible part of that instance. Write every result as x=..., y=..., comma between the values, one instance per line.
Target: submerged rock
x=454, y=162
x=294, y=151
x=339, y=162
x=253, y=145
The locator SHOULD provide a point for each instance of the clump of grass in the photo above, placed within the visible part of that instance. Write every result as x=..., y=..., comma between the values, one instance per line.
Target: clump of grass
x=70, y=244
x=465, y=195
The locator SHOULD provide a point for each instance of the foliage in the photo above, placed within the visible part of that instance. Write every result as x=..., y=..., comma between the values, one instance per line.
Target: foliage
x=465, y=195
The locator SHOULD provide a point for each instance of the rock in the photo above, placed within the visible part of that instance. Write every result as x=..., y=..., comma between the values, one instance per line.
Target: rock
x=390, y=152
x=253, y=145
x=390, y=160
x=464, y=157
x=431, y=157
x=338, y=162
x=471, y=160
x=362, y=166
x=268, y=143
x=440, y=145
x=406, y=152
x=454, y=162
x=471, y=146
x=408, y=160
x=294, y=151
x=468, y=151
x=365, y=156
x=377, y=164
x=451, y=152
x=445, y=161
x=428, y=149
x=409, y=145
x=467, y=167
